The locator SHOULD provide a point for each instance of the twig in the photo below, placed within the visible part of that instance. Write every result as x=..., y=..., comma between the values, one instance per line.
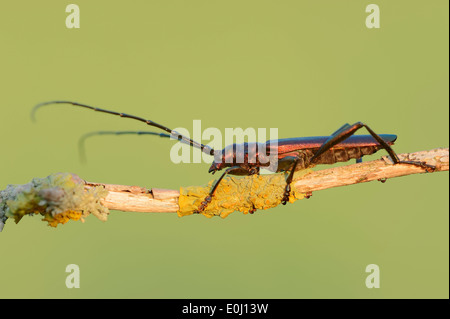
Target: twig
x=137, y=199
x=372, y=171
x=61, y=197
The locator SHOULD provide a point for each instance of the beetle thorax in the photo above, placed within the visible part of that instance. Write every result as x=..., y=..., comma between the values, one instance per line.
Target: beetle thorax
x=249, y=156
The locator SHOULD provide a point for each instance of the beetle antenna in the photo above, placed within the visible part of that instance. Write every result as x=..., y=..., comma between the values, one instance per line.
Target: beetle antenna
x=81, y=141
x=175, y=135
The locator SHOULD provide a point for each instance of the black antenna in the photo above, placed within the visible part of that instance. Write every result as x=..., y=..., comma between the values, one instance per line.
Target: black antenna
x=205, y=148
x=81, y=141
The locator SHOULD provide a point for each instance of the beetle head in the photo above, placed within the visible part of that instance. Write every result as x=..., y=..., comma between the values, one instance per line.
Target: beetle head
x=217, y=166
x=220, y=159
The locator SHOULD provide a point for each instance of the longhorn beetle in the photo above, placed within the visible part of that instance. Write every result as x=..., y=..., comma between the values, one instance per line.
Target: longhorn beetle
x=292, y=153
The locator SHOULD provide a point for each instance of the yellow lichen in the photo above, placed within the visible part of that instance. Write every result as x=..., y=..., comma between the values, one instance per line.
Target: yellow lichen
x=238, y=194
x=62, y=218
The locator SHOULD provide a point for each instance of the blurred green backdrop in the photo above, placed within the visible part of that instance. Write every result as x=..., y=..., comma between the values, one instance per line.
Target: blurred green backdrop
x=304, y=67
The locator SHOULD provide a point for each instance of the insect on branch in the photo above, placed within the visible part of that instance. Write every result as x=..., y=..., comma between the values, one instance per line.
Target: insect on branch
x=137, y=199
x=49, y=196
x=225, y=195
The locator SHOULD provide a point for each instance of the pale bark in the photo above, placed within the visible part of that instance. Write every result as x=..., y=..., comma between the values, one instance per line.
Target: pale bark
x=138, y=199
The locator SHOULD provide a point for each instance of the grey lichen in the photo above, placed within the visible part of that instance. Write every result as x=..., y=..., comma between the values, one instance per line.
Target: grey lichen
x=58, y=198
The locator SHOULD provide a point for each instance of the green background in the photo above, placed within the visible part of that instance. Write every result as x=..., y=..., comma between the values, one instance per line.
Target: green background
x=304, y=67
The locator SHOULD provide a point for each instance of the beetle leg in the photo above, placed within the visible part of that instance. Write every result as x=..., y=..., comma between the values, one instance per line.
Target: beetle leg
x=348, y=130
x=236, y=170
x=287, y=190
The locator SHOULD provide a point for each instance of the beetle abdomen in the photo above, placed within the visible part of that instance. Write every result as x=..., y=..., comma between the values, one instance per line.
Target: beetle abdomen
x=335, y=155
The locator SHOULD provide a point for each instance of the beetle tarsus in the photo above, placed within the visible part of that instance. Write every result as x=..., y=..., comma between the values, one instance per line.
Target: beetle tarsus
x=287, y=192
x=203, y=205
x=428, y=168
x=252, y=210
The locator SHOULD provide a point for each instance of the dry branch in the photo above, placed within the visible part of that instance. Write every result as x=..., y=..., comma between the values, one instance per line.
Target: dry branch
x=137, y=199
x=64, y=196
